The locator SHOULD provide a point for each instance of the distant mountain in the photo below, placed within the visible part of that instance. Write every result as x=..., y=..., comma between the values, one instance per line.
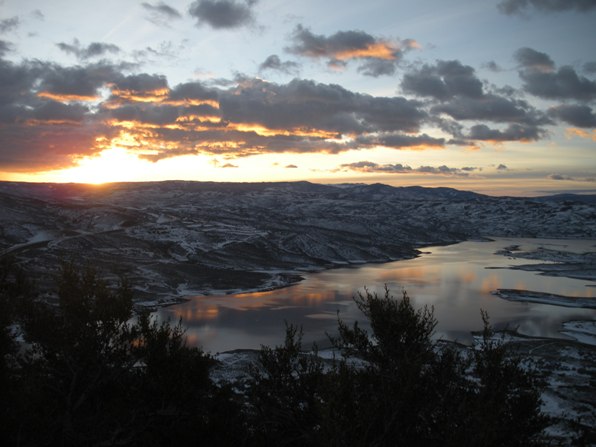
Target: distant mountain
x=574, y=198
x=178, y=237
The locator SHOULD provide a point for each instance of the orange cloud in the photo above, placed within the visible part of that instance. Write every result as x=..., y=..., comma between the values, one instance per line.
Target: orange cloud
x=378, y=50
x=157, y=95
x=65, y=97
x=580, y=133
x=266, y=132
x=192, y=102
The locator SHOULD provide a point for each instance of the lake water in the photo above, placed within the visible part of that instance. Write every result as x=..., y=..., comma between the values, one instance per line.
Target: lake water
x=457, y=280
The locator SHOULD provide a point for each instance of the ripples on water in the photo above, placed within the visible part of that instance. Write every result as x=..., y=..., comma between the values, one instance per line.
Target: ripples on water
x=453, y=279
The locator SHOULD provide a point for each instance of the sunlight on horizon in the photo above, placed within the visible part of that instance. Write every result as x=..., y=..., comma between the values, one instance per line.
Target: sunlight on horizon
x=111, y=165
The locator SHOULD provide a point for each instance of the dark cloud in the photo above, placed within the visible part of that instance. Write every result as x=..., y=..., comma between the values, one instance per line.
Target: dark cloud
x=162, y=10
x=229, y=165
x=456, y=94
x=493, y=66
x=273, y=62
x=576, y=115
x=54, y=111
x=37, y=14
x=46, y=119
x=590, y=67
x=560, y=177
x=222, y=14
x=161, y=14
x=291, y=166
x=10, y=24
x=377, y=67
x=75, y=83
x=191, y=91
x=514, y=132
x=541, y=78
x=377, y=56
x=445, y=170
x=141, y=87
x=94, y=49
x=303, y=104
x=398, y=140
x=492, y=108
x=502, y=167
x=522, y=7
x=369, y=166
x=533, y=60
x=443, y=81
x=5, y=47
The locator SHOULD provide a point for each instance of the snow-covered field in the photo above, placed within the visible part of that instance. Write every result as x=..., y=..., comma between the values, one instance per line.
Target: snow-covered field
x=173, y=239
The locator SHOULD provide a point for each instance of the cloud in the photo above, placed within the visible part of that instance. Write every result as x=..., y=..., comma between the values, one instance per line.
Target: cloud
x=445, y=80
x=569, y=178
x=291, y=166
x=534, y=61
x=521, y=7
x=94, y=49
x=37, y=14
x=493, y=108
x=514, y=132
x=559, y=177
x=397, y=140
x=93, y=106
x=377, y=56
x=493, y=66
x=10, y=24
x=273, y=62
x=307, y=105
x=590, y=67
x=5, y=47
x=576, y=115
x=76, y=83
x=580, y=133
x=541, y=78
x=222, y=14
x=229, y=165
x=369, y=167
x=455, y=94
x=161, y=14
x=502, y=167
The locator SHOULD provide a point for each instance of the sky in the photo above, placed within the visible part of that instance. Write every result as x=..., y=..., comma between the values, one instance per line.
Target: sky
x=493, y=96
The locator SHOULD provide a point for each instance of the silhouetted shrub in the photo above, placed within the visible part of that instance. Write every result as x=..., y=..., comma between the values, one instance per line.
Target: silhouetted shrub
x=395, y=386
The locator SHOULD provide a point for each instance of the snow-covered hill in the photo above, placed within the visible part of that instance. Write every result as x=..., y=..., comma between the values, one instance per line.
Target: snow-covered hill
x=175, y=238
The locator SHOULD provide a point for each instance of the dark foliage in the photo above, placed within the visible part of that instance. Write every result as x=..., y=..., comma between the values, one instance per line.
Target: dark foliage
x=91, y=375
x=395, y=386
x=88, y=372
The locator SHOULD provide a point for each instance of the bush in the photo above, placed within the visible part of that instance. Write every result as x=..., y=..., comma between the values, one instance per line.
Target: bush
x=396, y=386
x=90, y=375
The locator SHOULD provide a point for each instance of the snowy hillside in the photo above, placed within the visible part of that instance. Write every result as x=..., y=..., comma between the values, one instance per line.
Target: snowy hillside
x=174, y=238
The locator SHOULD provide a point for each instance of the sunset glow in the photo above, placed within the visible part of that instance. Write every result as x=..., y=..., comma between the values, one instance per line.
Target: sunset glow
x=375, y=94
x=111, y=165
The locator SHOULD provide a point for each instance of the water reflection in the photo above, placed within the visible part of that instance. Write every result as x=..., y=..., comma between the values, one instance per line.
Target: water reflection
x=454, y=280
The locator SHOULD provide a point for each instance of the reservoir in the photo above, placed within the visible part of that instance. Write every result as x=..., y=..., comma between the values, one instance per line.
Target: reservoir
x=457, y=280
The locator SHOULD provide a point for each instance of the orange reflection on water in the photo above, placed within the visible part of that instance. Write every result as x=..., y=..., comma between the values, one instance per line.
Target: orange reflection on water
x=491, y=283
x=467, y=276
x=196, y=313
x=422, y=273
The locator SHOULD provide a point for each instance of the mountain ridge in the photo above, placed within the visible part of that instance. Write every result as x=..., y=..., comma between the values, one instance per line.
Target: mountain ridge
x=177, y=237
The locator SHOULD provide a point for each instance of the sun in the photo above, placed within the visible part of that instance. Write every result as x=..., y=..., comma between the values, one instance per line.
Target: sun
x=111, y=165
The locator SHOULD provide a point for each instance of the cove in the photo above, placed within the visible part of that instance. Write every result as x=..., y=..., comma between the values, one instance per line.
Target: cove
x=457, y=280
